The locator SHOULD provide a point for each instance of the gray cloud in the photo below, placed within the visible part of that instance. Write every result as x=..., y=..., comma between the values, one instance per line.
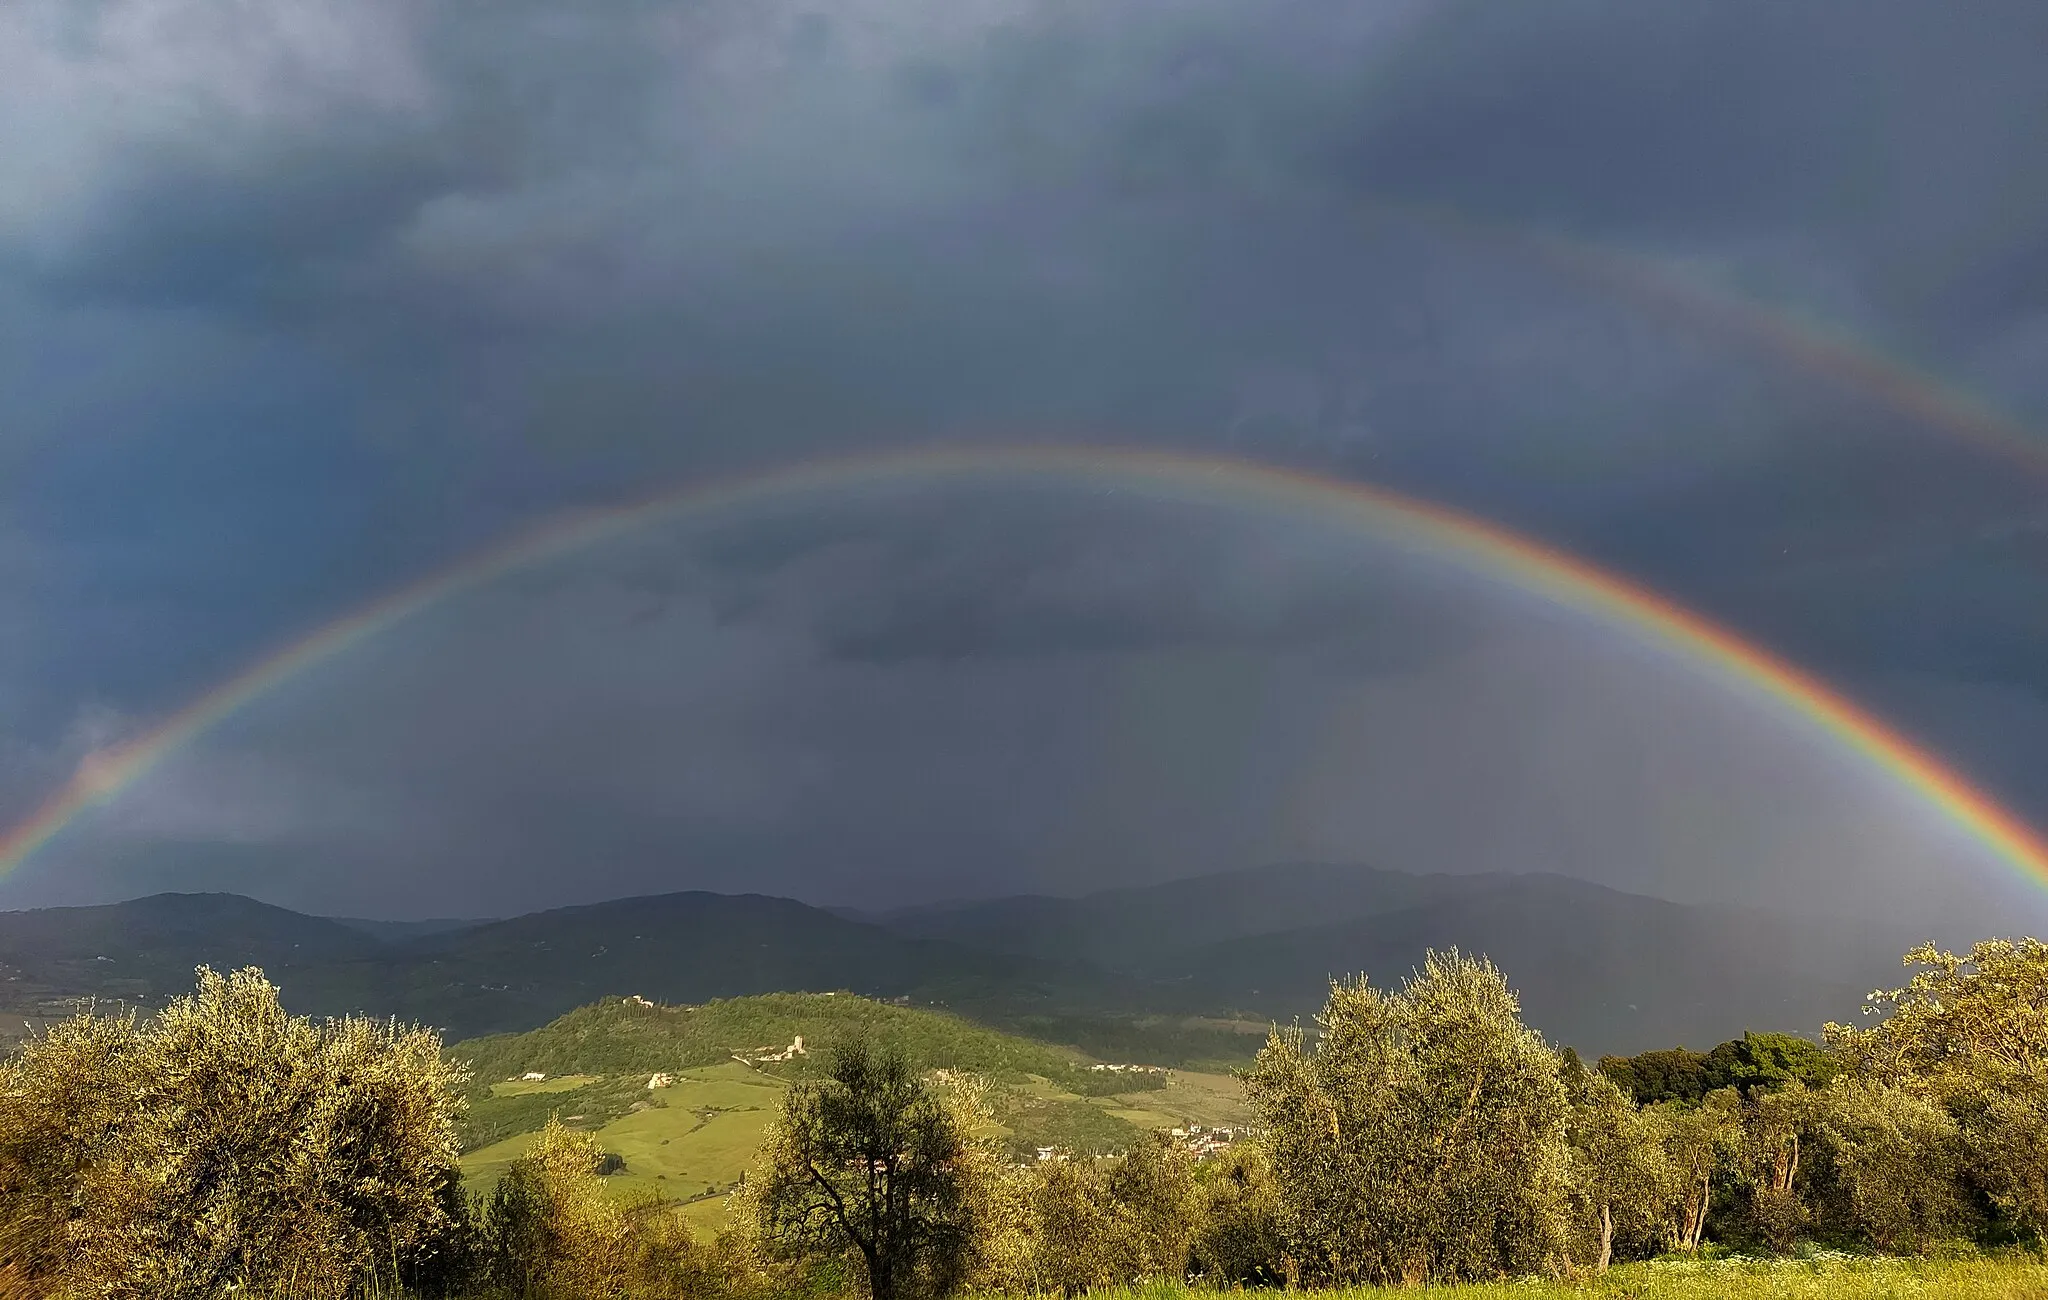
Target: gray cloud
x=295, y=305
x=702, y=749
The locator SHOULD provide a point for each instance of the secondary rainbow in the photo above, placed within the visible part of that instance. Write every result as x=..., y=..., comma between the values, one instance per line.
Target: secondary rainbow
x=1474, y=543
x=1821, y=348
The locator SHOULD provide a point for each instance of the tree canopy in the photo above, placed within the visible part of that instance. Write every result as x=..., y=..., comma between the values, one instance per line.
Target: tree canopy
x=226, y=1144
x=871, y=1161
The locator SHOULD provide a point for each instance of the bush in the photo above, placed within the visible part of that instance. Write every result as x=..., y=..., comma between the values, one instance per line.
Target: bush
x=1237, y=1238
x=1423, y=1139
x=1897, y=1164
x=227, y=1145
x=549, y=1231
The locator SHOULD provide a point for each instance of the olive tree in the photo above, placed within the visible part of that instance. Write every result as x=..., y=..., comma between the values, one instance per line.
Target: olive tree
x=1623, y=1180
x=1698, y=1141
x=227, y=1145
x=870, y=1161
x=1969, y=1033
x=1113, y=1220
x=1897, y=1162
x=1422, y=1137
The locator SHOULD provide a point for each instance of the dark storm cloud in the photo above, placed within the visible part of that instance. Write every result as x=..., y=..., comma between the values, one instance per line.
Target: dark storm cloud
x=703, y=749
x=994, y=574
x=301, y=303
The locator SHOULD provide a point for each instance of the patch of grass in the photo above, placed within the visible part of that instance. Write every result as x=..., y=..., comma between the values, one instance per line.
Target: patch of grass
x=1191, y=1097
x=724, y=1087
x=691, y=1147
x=528, y=1087
x=683, y=1156
x=2017, y=1276
x=492, y=1118
x=484, y=1166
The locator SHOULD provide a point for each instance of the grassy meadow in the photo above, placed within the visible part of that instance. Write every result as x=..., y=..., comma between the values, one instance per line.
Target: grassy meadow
x=691, y=1141
x=2018, y=1276
x=539, y=1087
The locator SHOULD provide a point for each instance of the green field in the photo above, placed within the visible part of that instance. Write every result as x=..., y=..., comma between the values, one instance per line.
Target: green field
x=691, y=1141
x=1189, y=1097
x=2010, y=1277
x=530, y=1087
x=690, y=1144
x=694, y=1139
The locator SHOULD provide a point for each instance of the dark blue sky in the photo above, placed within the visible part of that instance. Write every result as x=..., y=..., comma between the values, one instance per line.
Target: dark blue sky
x=296, y=305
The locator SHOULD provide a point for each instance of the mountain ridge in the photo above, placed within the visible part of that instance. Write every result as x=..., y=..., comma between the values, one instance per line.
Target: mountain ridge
x=1600, y=968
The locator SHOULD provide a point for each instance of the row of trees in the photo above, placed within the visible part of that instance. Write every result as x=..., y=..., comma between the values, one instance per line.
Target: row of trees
x=1750, y=1064
x=1426, y=1135
x=1422, y=1135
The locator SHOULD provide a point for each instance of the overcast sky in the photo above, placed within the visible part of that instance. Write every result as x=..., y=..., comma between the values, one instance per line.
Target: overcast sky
x=301, y=301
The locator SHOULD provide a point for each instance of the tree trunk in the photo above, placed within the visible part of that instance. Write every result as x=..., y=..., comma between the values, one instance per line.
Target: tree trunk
x=1606, y=1236
x=1699, y=1223
x=880, y=1285
x=1694, y=1222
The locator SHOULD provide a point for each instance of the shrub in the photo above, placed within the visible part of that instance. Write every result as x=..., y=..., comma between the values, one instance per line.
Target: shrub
x=227, y=1145
x=1423, y=1139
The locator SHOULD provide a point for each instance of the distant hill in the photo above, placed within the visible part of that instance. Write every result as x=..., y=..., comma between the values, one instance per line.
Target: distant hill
x=515, y=974
x=400, y=931
x=601, y=1057
x=146, y=948
x=694, y=947
x=1170, y=974
x=1138, y=929
x=175, y=930
x=1596, y=967
x=618, y=1036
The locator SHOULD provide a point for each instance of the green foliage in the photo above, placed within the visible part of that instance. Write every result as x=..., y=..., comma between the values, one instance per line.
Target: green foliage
x=1077, y=1127
x=1750, y=1064
x=228, y=1145
x=1757, y=1063
x=1624, y=1181
x=61, y=1111
x=1970, y=1034
x=1896, y=1167
x=1764, y=1159
x=1697, y=1141
x=869, y=1162
x=549, y=1232
x=1073, y=1225
x=1238, y=1235
x=1423, y=1137
x=1651, y=1078
x=1825, y=1277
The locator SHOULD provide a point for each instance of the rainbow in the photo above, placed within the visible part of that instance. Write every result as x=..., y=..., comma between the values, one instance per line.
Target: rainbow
x=1478, y=545
x=1823, y=349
